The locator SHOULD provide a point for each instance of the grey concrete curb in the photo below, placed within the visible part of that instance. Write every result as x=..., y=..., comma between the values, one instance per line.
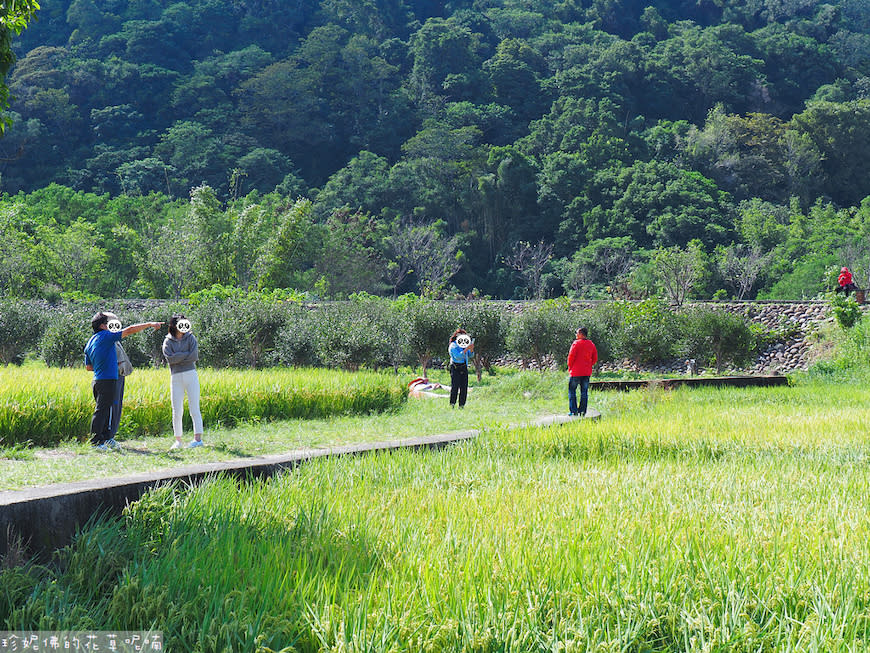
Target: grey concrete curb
x=693, y=382
x=43, y=519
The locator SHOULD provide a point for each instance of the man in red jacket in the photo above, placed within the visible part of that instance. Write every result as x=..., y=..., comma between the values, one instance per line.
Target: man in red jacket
x=582, y=356
x=845, y=282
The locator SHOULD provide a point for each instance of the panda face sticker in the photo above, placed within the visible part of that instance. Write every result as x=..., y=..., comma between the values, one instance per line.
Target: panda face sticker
x=183, y=325
x=463, y=340
x=113, y=325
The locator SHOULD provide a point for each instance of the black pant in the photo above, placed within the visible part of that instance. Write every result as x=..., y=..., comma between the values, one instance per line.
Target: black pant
x=849, y=287
x=458, y=383
x=104, y=395
x=117, y=406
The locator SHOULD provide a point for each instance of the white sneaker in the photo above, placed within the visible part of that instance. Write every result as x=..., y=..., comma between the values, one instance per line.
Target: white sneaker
x=195, y=443
x=175, y=445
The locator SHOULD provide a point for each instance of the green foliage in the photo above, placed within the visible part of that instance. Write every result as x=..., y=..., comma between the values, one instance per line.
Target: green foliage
x=349, y=336
x=487, y=324
x=430, y=325
x=542, y=334
x=717, y=336
x=66, y=332
x=604, y=325
x=219, y=292
x=651, y=332
x=846, y=310
x=546, y=123
x=296, y=340
x=21, y=328
x=238, y=332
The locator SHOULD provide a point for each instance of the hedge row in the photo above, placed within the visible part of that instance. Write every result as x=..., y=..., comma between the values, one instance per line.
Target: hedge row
x=371, y=332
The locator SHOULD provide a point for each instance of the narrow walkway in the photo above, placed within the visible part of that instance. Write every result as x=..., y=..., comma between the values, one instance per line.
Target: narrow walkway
x=43, y=519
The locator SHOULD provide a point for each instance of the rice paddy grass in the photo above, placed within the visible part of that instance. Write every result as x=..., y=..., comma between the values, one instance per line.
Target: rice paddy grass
x=685, y=520
x=43, y=406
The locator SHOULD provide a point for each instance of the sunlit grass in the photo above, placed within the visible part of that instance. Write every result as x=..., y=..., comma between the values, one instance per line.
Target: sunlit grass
x=509, y=398
x=45, y=406
x=687, y=520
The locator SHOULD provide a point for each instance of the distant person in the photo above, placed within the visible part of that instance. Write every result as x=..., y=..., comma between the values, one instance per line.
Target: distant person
x=581, y=357
x=844, y=281
x=101, y=359
x=125, y=368
x=461, y=350
x=182, y=351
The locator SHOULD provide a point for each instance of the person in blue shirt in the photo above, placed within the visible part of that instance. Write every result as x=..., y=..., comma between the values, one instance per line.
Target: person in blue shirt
x=461, y=350
x=100, y=358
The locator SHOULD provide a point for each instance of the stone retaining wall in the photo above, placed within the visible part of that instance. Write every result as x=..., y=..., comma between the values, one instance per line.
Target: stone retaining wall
x=792, y=354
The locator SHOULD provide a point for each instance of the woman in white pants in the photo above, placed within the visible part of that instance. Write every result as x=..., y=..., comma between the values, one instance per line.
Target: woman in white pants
x=182, y=351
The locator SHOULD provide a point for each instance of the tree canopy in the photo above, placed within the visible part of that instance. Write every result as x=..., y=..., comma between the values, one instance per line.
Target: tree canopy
x=486, y=124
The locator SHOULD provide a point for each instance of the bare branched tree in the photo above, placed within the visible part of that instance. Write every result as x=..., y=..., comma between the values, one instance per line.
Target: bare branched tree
x=400, y=245
x=433, y=258
x=678, y=270
x=615, y=262
x=530, y=261
x=740, y=266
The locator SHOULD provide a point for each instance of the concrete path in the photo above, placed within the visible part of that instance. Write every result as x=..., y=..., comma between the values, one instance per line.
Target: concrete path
x=37, y=521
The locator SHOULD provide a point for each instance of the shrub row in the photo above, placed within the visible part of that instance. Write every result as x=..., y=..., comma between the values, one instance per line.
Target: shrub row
x=370, y=332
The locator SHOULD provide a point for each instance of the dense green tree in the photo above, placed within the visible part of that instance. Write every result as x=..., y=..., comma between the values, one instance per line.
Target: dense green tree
x=210, y=229
x=352, y=258
x=657, y=204
x=275, y=251
x=515, y=74
x=14, y=17
x=196, y=154
x=703, y=67
x=508, y=201
x=362, y=184
x=841, y=134
x=755, y=155
x=506, y=121
x=447, y=58
x=71, y=258
x=18, y=269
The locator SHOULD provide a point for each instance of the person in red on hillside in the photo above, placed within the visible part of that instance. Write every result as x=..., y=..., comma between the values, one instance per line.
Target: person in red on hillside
x=581, y=357
x=845, y=282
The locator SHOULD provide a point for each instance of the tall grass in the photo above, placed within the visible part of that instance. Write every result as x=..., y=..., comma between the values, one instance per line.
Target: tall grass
x=691, y=520
x=45, y=406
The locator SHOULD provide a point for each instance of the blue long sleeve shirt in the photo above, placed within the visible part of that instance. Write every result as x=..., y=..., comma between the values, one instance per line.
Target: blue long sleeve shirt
x=458, y=354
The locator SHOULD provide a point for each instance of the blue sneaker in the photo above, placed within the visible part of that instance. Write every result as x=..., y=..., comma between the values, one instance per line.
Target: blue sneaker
x=195, y=443
x=101, y=447
x=114, y=446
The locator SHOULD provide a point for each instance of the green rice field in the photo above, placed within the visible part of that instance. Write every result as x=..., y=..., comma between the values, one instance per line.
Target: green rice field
x=685, y=520
x=43, y=406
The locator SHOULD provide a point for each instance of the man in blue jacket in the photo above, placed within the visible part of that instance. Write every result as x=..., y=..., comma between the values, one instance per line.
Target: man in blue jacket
x=100, y=358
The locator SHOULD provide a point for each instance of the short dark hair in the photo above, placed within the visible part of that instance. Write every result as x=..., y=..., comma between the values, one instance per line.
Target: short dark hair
x=583, y=331
x=98, y=320
x=173, y=324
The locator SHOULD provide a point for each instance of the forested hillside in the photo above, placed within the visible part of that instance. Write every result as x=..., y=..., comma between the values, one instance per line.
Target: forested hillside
x=527, y=147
